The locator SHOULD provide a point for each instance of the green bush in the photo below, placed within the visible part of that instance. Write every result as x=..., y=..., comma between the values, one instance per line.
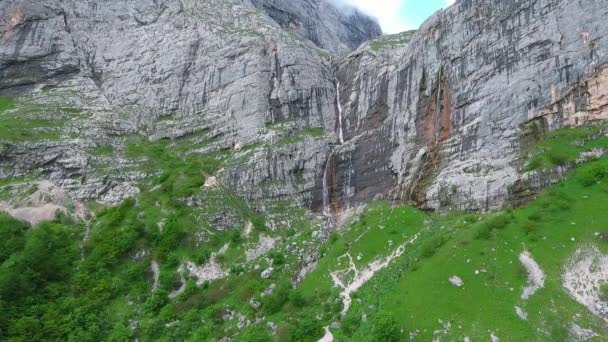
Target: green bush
x=259, y=223
x=297, y=299
x=278, y=259
x=12, y=236
x=384, y=328
x=254, y=333
x=274, y=303
x=308, y=329
x=593, y=174
x=430, y=247
x=485, y=229
x=535, y=217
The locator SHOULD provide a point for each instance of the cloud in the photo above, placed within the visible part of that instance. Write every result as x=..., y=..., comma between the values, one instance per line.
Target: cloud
x=398, y=15
x=388, y=13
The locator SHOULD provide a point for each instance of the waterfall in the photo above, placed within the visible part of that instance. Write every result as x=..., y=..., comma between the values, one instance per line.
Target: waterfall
x=326, y=204
x=326, y=172
x=340, y=131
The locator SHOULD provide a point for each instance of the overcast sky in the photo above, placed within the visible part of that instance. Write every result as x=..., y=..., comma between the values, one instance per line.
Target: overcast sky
x=400, y=15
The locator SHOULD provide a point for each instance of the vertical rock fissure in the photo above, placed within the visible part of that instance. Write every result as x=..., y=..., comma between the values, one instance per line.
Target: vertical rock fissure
x=326, y=185
x=438, y=106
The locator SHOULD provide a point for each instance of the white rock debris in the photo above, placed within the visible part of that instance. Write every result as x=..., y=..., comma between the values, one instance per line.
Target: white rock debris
x=207, y=272
x=35, y=215
x=265, y=245
x=248, y=229
x=580, y=334
x=155, y=274
x=328, y=337
x=521, y=313
x=583, y=275
x=267, y=273
x=536, y=276
x=456, y=281
x=211, y=182
x=437, y=334
x=358, y=277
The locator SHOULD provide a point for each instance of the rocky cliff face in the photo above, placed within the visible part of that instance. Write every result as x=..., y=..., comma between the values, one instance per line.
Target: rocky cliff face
x=337, y=28
x=436, y=117
x=168, y=70
x=442, y=117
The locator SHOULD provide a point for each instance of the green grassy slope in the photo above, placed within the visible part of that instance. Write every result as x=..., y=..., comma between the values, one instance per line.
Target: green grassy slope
x=48, y=292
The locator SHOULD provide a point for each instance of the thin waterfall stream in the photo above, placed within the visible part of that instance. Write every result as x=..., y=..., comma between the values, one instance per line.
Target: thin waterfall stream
x=326, y=172
x=340, y=131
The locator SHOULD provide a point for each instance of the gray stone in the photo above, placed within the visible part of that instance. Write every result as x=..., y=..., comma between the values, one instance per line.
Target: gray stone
x=438, y=118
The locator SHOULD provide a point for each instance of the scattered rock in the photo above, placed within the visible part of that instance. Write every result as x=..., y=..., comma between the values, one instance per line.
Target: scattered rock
x=456, y=281
x=267, y=273
x=579, y=334
x=210, y=271
x=584, y=273
x=248, y=229
x=155, y=274
x=265, y=245
x=35, y=215
x=521, y=313
x=272, y=326
x=211, y=182
x=254, y=304
x=269, y=290
x=536, y=276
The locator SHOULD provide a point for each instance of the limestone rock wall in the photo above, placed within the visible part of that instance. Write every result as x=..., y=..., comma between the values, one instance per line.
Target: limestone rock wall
x=436, y=117
x=452, y=102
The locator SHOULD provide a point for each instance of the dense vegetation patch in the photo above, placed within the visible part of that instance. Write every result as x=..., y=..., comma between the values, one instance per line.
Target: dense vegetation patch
x=564, y=146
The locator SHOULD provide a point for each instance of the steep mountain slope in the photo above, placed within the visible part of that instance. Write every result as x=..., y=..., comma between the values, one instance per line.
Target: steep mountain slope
x=165, y=70
x=421, y=114
x=230, y=170
x=441, y=117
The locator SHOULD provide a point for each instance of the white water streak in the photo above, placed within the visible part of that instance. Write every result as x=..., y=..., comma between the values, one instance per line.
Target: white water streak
x=340, y=130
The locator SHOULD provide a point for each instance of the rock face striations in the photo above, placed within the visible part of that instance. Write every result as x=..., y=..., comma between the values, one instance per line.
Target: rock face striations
x=439, y=117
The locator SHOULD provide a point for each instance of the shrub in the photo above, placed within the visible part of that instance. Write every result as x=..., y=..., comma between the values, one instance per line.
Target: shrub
x=278, y=259
x=497, y=222
x=297, y=299
x=430, y=247
x=275, y=302
x=534, y=164
x=593, y=174
x=259, y=222
x=12, y=236
x=309, y=329
x=384, y=328
x=558, y=157
x=254, y=333
x=351, y=323
x=235, y=237
x=535, y=217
